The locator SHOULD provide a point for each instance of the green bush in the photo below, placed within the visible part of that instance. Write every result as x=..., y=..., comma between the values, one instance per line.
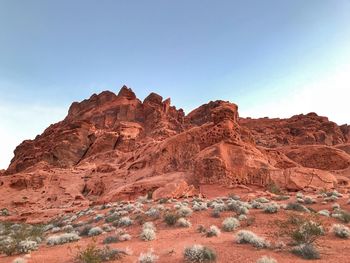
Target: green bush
x=19, y=238
x=307, y=233
x=93, y=254
x=306, y=251
x=297, y=207
x=170, y=219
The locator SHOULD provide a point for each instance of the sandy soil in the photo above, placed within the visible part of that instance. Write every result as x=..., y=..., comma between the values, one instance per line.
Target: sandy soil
x=171, y=241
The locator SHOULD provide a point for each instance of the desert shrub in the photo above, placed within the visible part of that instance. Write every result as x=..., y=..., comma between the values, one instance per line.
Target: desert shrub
x=271, y=208
x=218, y=206
x=234, y=196
x=199, y=206
x=215, y=213
x=124, y=237
x=62, y=239
x=256, y=205
x=324, y=213
x=342, y=215
x=262, y=200
x=238, y=207
x=98, y=218
x=266, y=259
x=26, y=246
x=170, y=219
x=93, y=254
x=125, y=221
x=336, y=206
x=274, y=188
x=8, y=246
x=299, y=195
x=183, y=222
x=148, y=232
x=68, y=228
x=111, y=239
x=201, y=229
x=306, y=251
x=55, y=229
x=95, y=231
x=213, y=231
x=307, y=233
x=184, y=211
x=120, y=235
x=4, y=212
x=341, y=231
x=309, y=200
x=297, y=207
x=150, y=194
x=242, y=217
x=230, y=224
x=148, y=257
x=48, y=227
x=84, y=230
x=248, y=237
x=112, y=218
x=163, y=200
x=199, y=253
x=19, y=238
x=111, y=254
x=153, y=212
x=281, y=197
x=107, y=228
x=149, y=225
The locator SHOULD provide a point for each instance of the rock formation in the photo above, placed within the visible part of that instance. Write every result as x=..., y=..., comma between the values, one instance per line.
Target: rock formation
x=113, y=147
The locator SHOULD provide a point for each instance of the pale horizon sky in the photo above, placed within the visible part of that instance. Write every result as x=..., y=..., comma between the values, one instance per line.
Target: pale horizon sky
x=273, y=58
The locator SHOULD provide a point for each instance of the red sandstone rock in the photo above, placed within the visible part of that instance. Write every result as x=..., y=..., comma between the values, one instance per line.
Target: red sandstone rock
x=115, y=146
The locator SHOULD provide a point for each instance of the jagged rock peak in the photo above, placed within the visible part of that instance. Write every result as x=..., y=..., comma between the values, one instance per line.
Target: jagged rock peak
x=214, y=111
x=127, y=93
x=153, y=98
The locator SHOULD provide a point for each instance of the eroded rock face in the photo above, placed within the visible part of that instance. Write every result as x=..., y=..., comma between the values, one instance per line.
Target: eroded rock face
x=298, y=130
x=116, y=146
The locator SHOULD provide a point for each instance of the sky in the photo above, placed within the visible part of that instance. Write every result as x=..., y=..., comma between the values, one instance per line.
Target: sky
x=273, y=58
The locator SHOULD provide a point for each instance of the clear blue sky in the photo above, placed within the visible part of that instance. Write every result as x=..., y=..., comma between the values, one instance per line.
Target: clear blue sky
x=271, y=57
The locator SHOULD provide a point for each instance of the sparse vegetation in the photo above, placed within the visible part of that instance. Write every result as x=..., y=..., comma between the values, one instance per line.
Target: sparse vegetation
x=124, y=221
x=248, y=237
x=84, y=230
x=274, y=188
x=297, y=207
x=230, y=224
x=213, y=231
x=306, y=251
x=199, y=253
x=342, y=215
x=170, y=219
x=148, y=257
x=62, y=239
x=271, y=208
x=341, y=231
x=307, y=233
x=183, y=222
x=95, y=231
x=19, y=238
x=93, y=254
x=148, y=232
x=184, y=211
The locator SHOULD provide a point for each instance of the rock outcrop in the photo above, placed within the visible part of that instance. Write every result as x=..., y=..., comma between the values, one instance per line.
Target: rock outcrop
x=116, y=146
